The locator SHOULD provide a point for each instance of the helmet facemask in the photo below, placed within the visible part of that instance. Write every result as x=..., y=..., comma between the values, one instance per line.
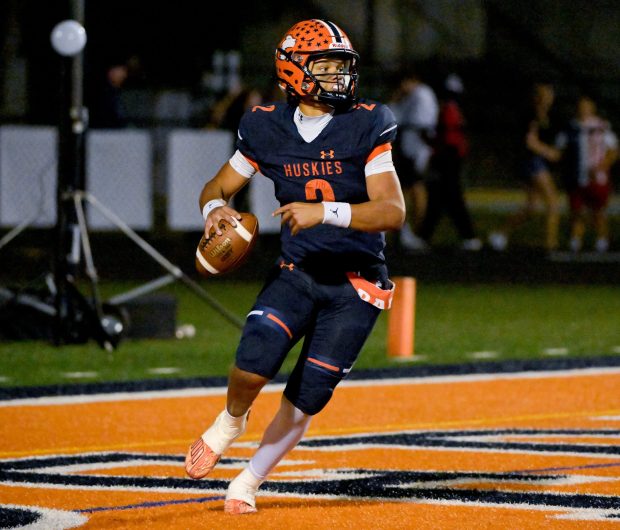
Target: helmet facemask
x=330, y=85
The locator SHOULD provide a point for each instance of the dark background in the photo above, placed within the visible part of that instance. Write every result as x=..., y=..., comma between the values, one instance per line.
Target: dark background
x=575, y=44
x=175, y=41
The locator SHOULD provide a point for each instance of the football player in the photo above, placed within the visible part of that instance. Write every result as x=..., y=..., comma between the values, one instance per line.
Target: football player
x=329, y=157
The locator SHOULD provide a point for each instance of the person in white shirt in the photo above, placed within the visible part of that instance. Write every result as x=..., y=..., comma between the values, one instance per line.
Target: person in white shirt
x=416, y=109
x=589, y=149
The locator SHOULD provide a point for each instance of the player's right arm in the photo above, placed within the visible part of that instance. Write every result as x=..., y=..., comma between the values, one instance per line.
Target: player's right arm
x=220, y=189
x=232, y=176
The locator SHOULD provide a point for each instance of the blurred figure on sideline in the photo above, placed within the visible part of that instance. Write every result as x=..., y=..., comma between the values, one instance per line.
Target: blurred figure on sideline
x=540, y=153
x=445, y=192
x=227, y=112
x=416, y=109
x=589, y=149
x=106, y=109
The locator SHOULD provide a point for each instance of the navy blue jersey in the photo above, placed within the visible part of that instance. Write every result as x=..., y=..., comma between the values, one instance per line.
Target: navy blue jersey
x=330, y=168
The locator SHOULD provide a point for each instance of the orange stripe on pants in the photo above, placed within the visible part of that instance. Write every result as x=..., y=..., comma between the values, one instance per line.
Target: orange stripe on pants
x=281, y=324
x=401, y=319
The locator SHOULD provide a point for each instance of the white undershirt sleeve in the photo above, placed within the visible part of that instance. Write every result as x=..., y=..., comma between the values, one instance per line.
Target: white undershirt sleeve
x=241, y=165
x=380, y=164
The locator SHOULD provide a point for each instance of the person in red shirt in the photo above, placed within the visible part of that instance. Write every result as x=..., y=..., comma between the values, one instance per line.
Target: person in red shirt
x=445, y=191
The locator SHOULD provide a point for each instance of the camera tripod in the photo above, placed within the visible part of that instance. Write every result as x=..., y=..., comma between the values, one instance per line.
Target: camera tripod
x=105, y=321
x=76, y=317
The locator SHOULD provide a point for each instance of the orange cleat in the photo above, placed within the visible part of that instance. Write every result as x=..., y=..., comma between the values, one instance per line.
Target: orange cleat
x=206, y=452
x=200, y=459
x=237, y=507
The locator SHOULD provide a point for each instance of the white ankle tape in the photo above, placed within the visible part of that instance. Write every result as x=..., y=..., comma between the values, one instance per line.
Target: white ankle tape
x=244, y=487
x=223, y=433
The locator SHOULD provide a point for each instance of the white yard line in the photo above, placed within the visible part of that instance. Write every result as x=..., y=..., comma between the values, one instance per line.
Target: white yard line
x=278, y=387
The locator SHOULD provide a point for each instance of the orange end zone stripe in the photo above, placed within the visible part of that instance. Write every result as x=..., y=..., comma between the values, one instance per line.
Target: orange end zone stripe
x=378, y=150
x=324, y=365
x=280, y=323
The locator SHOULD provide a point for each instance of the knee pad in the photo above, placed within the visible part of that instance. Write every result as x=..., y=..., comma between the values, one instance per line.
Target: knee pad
x=312, y=383
x=265, y=341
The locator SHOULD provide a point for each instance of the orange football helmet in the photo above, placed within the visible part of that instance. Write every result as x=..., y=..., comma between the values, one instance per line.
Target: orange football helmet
x=306, y=42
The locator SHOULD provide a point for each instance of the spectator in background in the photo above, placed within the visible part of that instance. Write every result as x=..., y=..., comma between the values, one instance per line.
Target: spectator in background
x=416, y=109
x=589, y=149
x=539, y=153
x=227, y=112
x=445, y=192
x=105, y=105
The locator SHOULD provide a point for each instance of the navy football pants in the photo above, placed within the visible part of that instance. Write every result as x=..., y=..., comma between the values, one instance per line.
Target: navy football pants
x=334, y=320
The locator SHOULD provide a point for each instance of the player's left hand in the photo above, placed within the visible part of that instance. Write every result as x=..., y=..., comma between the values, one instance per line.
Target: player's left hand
x=300, y=215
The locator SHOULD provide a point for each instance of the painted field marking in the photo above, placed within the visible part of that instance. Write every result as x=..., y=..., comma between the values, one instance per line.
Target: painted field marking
x=566, y=468
x=3, y=379
x=482, y=355
x=555, y=351
x=413, y=359
x=477, y=482
x=80, y=375
x=247, y=439
x=152, y=504
x=164, y=370
x=279, y=387
x=616, y=349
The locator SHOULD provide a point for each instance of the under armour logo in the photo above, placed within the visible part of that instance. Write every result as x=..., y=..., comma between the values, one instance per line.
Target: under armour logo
x=335, y=212
x=289, y=266
x=327, y=154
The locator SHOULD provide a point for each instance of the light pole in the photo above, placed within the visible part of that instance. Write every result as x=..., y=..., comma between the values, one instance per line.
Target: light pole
x=76, y=318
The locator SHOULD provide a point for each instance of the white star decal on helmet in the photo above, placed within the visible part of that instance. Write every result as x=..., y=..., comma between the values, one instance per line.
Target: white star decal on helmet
x=289, y=42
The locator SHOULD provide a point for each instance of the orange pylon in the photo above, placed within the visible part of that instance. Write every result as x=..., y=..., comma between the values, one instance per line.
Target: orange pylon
x=401, y=319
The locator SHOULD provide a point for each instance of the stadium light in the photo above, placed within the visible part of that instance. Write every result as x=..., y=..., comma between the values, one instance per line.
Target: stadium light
x=68, y=38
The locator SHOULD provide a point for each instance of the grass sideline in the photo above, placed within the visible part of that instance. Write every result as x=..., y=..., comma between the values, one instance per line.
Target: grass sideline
x=454, y=324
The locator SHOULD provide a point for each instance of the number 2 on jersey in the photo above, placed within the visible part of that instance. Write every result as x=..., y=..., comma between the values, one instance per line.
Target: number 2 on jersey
x=327, y=192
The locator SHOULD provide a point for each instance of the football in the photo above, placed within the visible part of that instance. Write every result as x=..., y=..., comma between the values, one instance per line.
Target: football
x=221, y=254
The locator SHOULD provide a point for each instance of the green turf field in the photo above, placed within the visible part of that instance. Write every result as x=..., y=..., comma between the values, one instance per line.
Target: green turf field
x=454, y=324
